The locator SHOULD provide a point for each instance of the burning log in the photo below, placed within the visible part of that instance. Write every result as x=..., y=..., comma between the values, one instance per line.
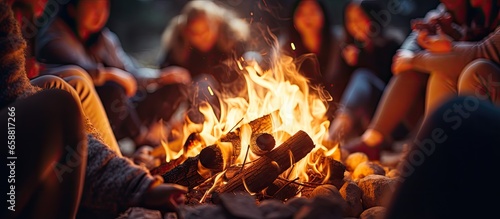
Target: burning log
x=190, y=173
x=331, y=171
x=195, y=170
x=186, y=174
x=282, y=189
x=262, y=143
x=260, y=125
x=255, y=178
x=235, y=140
x=192, y=140
x=266, y=169
x=164, y=168
x=211, y=158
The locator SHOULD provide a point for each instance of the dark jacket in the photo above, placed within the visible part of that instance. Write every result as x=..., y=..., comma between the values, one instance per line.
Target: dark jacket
x=57, y=44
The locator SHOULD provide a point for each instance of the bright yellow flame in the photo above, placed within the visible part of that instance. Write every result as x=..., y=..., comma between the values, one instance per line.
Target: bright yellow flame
x=280, y=91
x=293, y=46
x=239, y=65
x=210, y=90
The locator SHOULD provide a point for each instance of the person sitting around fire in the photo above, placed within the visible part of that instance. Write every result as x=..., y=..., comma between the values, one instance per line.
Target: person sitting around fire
x=367, y=48
x=77, y=36
x=406, y=93
x=64, y=168
x=71, y=78
x=464, y=65
x=311, y=39
x=201, y=39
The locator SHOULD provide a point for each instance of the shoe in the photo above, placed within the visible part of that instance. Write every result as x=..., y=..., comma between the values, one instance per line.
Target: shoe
x=358, y=145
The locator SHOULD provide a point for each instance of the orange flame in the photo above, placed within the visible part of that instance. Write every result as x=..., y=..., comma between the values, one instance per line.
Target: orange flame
x=281, y=89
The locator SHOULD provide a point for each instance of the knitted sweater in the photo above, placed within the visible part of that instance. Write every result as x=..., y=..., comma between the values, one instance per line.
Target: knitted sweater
x=112, y=183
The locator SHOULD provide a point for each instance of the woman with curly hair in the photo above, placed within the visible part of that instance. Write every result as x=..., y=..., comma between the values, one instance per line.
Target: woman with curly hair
x=200, y=40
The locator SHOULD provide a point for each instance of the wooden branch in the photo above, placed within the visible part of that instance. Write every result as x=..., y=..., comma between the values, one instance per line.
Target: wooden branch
x=211, y=158
x=165, y=167
x=193, y=140
x=256, y=178
x=262, y=143
x=263, y=124
x=185, y=174
x=299, y=145
x=282, y=189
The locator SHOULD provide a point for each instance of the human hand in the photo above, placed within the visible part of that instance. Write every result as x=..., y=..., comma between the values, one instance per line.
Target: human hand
x=174, y=74
x=125, y=79
x=439, y=43
x=165, y=197
x=350, y=54
x=401, y=62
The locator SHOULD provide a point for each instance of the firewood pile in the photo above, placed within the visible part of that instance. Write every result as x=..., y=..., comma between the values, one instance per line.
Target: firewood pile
x=347, y=186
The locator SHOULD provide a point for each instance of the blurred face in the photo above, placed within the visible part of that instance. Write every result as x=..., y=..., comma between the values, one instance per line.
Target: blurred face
x=357, y=22
x=201, y=33
x=92, y=15
x=308, y=17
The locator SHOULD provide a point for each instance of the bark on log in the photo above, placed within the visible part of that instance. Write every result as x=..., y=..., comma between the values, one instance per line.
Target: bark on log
x=282, y=190
x=193, y=140
x=165, y=167
x=260, y=174
x=186, y=174
x=261, y=143
x=211, y=158
x=263, y=124
x=256, y=178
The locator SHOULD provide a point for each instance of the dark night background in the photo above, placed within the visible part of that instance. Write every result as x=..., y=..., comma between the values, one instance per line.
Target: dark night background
x=140, y=23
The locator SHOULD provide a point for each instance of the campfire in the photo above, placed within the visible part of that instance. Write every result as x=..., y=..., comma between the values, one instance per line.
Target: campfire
x=268, y=144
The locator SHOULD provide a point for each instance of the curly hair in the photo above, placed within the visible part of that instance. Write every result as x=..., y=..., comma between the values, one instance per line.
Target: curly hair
x=231, y=28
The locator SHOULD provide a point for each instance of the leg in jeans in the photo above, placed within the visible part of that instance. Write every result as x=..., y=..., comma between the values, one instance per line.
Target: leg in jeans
x=481, y=78
x=357, y=104
x=438, y=176
x=51, y=149
x=90, y=101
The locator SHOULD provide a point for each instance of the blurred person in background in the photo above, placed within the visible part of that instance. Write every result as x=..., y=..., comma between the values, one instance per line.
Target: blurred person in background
x=405, y=96
x=367, y=48
x=77, y=36
x=445, y=60
x=74, y=79
x=201, y=40
x=63, y=168
x=312, y=41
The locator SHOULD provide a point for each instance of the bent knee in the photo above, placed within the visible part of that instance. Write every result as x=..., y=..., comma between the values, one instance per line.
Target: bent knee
x=73, y=70
x=478, y=67
x=362, y=73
